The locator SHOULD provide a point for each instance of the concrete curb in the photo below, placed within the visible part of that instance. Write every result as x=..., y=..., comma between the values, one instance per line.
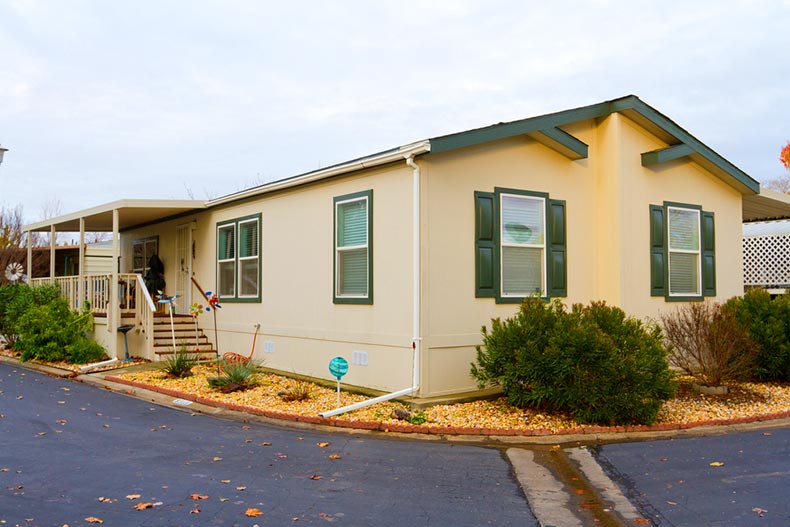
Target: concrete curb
x=580, y=435
x=583, y=434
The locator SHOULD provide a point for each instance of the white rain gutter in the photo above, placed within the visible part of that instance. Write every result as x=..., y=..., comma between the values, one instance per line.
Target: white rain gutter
x=416, y=305
x=391, y=156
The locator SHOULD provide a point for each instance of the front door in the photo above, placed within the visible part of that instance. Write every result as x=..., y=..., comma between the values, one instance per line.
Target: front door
x=183, y=268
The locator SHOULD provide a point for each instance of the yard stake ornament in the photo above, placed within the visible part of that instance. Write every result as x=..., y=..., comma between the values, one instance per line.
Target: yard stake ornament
x=171, y=301
x=196, y=310
x=213, y=302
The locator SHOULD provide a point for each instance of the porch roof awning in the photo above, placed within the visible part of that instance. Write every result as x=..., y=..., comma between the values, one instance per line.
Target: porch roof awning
x=131, y=213
x=767, y=205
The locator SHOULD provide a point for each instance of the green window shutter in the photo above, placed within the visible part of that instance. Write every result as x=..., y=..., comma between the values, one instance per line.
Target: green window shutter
x=557, y=264
x=658, y=253
x=485, y=245
x=708, y=255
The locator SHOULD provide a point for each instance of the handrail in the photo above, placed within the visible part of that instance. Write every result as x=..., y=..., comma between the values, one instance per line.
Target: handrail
x=146, y=293
x=196, y=284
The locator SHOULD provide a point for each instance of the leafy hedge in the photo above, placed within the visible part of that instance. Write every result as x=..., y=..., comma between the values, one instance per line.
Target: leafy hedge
x=15, y=300
x=39, y=323
x=767, y=323
x=593, y=362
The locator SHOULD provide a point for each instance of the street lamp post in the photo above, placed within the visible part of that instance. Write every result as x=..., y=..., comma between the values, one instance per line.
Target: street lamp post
x=2, y=151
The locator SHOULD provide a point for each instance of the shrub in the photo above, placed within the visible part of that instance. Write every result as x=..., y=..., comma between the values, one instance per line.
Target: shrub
x=593, y=362
x=238, y=376
x=52, y=332
x=767, y=323
x=299, y=391
x=180, y=364
x=708, y=343
x=15, y=300
x=85, y=351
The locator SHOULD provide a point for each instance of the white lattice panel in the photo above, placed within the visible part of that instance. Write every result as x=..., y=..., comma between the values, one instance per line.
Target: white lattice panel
x=766, y=261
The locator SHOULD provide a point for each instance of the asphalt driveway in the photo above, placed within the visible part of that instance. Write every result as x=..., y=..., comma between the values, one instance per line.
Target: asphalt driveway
x=74, y=454
x=728, y=480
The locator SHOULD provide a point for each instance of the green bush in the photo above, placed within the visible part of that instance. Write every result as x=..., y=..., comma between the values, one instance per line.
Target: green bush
x=593, y=362
x=85, y=351
x=180, y=364
x=239, y=375
x=15, y=300
x=53, y=332
x=767, y=322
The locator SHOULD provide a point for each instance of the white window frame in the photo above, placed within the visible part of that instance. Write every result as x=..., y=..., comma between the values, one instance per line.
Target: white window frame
x=340, y=297
x=698, y=252
x=235, y=226
x=503, y=245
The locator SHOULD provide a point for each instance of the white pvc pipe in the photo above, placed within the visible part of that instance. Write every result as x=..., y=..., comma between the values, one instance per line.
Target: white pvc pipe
x=369, y=402
x=416, y=275
x=88, y=367
x=416, y=305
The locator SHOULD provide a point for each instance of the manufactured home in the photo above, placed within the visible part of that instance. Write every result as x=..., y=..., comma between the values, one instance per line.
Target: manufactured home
x=396, y=260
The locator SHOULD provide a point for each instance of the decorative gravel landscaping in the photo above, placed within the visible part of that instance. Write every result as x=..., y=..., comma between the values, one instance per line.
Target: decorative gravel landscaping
x=745, y=402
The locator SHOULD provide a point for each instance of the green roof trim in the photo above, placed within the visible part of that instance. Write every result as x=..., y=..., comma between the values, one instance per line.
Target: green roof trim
x=562, y=142
x=633, y=108
x=664, y=155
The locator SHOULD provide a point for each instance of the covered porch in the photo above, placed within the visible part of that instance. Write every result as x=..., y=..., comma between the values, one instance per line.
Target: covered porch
x=116, y=299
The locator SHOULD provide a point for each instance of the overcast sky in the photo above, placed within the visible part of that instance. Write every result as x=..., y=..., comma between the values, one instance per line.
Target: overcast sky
x=104, y=100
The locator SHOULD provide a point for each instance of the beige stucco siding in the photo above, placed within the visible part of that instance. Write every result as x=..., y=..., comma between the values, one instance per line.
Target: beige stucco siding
x=297, y=315
x=680, y=182
x=607, y=209
x=453, y=316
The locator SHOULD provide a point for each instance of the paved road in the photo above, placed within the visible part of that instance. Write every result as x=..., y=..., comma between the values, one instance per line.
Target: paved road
x=69, y=451
x=730, y=480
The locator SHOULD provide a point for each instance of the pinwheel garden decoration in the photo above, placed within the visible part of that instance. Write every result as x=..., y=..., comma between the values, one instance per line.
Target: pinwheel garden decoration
x=213, y=305
x=171, y=301
x=14, y=272
x=196, y=310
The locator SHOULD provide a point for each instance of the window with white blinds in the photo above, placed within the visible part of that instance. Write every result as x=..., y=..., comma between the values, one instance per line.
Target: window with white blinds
x=353, y=248
x=523, y=244
x=684, y=251
x=239, y=259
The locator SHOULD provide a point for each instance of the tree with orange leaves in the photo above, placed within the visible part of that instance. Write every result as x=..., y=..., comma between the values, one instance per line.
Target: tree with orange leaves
x=784, y=156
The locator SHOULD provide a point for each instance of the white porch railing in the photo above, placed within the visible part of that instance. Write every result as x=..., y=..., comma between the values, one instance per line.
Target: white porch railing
x=134, y=299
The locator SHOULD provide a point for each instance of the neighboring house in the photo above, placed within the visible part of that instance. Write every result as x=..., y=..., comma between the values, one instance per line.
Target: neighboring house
x=98, y=259
x=396, y=260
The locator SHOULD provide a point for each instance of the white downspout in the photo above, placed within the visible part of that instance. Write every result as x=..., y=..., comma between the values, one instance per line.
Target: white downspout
x=416, y=305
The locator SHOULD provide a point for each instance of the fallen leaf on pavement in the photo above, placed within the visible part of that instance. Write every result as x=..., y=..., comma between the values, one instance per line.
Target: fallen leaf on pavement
x=717, y=464
x=334, y=456
x=759, y=511
x=315, y=476
x=104, y=500
x=144, y=505
x=224, y=481
x=217, y=458
x=322, y=444
x=199, y=497
x=641, y=521
x=132, y=496
x=93, y=519
x=671, y=503
x=266, y=443
x=241, y=488
x=252, y=512
x=195, y=511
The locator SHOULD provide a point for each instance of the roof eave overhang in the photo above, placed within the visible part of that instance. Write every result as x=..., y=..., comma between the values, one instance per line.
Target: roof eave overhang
x=131, y=213
x=633, y=108
x=375, y=160
x=766, y=205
